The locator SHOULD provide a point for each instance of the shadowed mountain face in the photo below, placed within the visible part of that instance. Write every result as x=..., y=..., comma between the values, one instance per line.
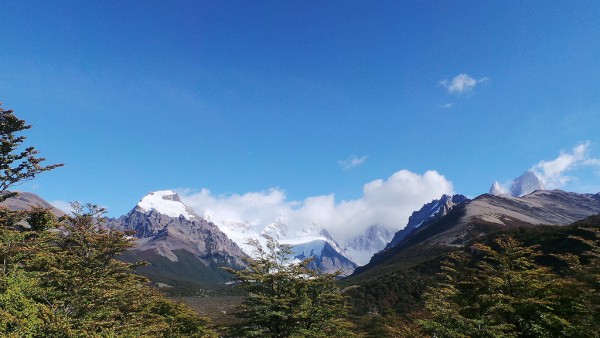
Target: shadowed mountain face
x=429, y=213
x=487, y=214
x=27, y=200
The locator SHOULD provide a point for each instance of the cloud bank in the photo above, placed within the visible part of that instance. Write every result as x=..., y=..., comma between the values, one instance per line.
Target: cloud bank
x=556, y=173
x=462, y=83
x=385, y=202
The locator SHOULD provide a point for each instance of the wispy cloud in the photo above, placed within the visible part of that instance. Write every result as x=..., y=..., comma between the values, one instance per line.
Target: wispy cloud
x=447, y=105
x=555, y=173
x=387, y=202
x=352, y=162
x=462, y=83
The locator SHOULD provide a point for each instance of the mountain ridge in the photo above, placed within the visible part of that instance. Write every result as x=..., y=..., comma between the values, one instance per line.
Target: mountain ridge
x=487, y=214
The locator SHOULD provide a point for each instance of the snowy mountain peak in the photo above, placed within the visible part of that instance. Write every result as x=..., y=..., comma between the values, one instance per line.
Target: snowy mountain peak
x=525, y=184
x=278, y=229
x=497, y=189
x=166, y=202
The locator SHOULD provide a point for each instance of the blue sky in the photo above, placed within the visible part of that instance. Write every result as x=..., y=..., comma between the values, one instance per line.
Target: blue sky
x=308, y=98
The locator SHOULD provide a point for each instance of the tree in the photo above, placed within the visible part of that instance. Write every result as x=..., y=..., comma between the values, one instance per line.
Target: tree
x=96, y=294
x=17, y=165
x=581, y=292
x=287, y=299
x=21, y=313
x=496, y=290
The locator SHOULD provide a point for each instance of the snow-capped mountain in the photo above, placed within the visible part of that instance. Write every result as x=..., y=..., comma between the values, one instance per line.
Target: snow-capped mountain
x=525, y=184
x=163, y=225
x=310, y=241
x=427, y=214
x=361, y=248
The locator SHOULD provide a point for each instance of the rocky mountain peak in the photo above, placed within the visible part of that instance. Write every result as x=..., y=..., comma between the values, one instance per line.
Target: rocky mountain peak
x=497, y=189
x=525, y=184
x=428, y=213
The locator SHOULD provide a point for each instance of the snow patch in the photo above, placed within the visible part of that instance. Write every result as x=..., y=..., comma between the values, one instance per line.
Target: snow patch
x=165, y=202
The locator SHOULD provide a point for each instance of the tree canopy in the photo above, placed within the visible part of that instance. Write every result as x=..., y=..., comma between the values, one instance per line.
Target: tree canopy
x=286, y=298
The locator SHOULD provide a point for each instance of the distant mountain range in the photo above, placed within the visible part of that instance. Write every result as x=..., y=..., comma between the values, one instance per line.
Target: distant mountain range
x=311, y=241
x=166, y=227
x=485, y=214
x=182, y=245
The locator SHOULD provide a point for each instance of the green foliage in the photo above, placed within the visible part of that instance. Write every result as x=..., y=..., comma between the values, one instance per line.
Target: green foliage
x=498, y=290
x=288, y=299
x=378, y=326
x=580, y=292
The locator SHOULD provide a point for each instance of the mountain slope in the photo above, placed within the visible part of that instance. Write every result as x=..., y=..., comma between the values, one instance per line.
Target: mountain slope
x=167, y=229
x=399, y=288
x=430, y=212
x=27, y=200
x=488, y=214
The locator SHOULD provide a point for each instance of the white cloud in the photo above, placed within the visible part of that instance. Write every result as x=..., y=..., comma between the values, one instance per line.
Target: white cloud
x=386, y=202
x=555, y=173
x=462, y=83
x=352, y=162
x=62, y=205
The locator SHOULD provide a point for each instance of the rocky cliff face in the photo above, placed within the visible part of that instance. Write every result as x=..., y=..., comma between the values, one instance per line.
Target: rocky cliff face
x=429, y=213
